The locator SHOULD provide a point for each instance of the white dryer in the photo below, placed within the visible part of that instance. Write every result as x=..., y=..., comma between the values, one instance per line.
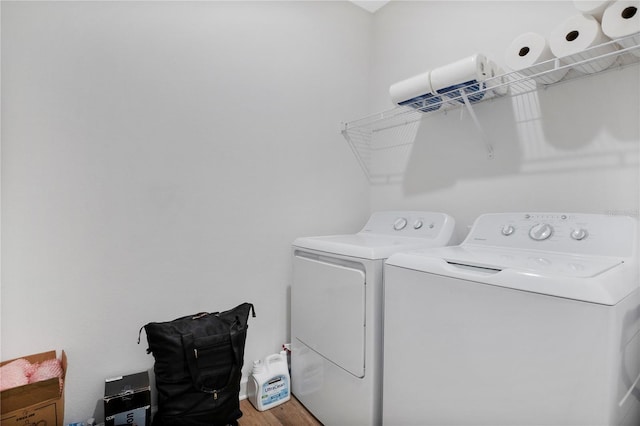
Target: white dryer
x=533, y=320
x=336, y=313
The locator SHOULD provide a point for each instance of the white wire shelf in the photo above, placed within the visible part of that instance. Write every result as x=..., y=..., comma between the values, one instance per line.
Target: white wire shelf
x=377, y=138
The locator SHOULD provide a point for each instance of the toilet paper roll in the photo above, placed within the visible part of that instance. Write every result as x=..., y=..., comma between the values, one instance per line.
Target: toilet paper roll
x=622, y=19
x=415, y=92
x=591, y=7
x=530, y=55
x=580, y=38
x=468, y=74
x=496, y=80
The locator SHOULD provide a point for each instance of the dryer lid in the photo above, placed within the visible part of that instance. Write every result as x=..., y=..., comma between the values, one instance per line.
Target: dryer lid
x=364, y=246
x=386, y=233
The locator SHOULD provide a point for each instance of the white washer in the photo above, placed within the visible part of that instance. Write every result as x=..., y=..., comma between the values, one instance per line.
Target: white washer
x=533, y=320
x=336, y=313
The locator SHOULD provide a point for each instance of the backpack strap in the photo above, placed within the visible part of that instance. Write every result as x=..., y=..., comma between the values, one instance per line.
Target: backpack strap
x=214, y=362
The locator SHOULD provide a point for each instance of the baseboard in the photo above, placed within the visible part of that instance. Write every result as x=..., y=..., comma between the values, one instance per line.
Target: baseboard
x=243, y=388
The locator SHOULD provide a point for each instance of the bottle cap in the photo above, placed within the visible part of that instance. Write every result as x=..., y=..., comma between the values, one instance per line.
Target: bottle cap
x=257, y=366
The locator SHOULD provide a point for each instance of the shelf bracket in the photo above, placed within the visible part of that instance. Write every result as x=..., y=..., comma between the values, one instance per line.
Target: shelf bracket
x=344, y=129
x=472, y=113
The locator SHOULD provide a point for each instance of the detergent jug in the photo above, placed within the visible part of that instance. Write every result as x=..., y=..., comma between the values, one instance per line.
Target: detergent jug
x=269, y=384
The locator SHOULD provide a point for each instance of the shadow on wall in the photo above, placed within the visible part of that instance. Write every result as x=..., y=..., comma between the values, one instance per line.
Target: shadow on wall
x=583, y=124
x=448, y=147
x=577, y=111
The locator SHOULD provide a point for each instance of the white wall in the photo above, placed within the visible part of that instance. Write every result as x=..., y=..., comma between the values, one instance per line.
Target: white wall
x=158, y=160
x=572, y=147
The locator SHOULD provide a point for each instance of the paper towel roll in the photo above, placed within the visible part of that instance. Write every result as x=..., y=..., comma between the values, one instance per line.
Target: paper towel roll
x=415, y=92
x=468, y=74
x=529, y=54
x=496, y=80
x=504, y=88
x=591, y=7
x=579, y=38
x=410, y=88
x=622, y=19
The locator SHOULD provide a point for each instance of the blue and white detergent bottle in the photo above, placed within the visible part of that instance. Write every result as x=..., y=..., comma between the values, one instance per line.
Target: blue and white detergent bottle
x=269, y=383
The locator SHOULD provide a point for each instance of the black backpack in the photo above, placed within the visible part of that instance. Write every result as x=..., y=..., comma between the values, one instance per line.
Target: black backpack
x=198, y=367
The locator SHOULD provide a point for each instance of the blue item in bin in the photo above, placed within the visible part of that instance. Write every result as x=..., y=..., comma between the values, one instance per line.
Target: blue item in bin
x=474, y=89
x=424, y=103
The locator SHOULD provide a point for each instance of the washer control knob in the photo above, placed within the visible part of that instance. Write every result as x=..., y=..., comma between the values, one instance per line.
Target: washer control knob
x=540, y=231
x=418, y=224
x=508, y=230
x=579, y=234
x=400, y=223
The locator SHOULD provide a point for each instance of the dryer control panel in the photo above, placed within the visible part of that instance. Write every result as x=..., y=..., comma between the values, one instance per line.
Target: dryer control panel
x=575, y=233
x=418, y=224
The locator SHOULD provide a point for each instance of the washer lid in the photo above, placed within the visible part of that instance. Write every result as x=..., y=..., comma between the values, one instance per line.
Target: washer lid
x=597, y=279
x=530, y=261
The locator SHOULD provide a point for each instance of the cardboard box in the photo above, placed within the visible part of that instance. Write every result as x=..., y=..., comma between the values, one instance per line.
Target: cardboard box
x=35, y=403
x=127, y=400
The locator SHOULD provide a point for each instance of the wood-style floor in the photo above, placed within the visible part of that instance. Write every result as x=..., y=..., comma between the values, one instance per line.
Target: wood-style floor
x=290, y=413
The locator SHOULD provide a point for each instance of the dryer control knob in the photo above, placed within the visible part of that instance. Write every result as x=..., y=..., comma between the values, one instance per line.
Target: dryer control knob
x=508, y=230
x=418, y=224
x=540, y=231
x=400, y=223
x=579, y=234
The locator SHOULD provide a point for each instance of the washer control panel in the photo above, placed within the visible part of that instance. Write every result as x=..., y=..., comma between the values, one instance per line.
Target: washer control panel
x=408, y=223
x=577, y=233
